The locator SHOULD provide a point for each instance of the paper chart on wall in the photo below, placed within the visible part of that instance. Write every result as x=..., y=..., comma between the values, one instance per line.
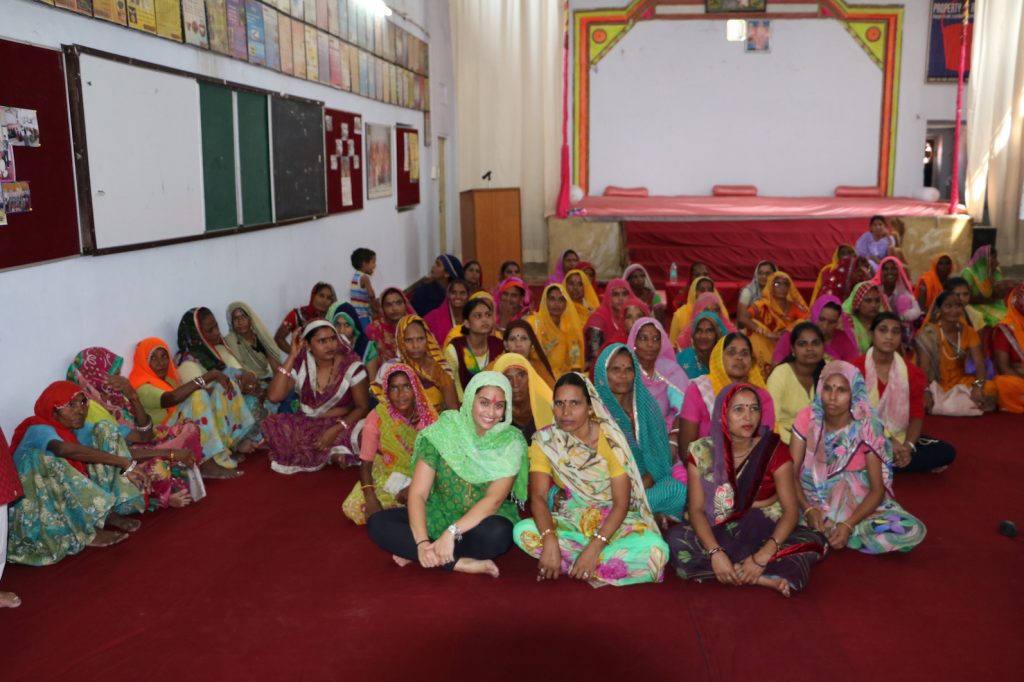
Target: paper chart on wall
x=142, y=15
x=194, y=13
x=110, y=10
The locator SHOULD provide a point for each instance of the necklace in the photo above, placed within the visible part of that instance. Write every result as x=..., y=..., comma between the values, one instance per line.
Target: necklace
x=330, y=375
x=958, y=352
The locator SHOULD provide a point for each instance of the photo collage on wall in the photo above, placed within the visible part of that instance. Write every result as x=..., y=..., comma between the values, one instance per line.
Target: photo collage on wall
x=18, y=128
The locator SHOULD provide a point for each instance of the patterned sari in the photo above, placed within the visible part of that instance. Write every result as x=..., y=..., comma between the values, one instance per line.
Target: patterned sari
x=392, y=462
x=982, y=275
x=636, y=552
x=768, y=317
x=253, y=358
x=739, y=527
x=834, y=475
x=382, y=332
x=696, y=303
x=852, y=303
x=562, y=342
x=687, y=357
x=433, y=369
x=590, y=301
x=668, y=382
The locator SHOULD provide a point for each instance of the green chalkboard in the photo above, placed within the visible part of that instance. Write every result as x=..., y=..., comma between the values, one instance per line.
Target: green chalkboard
x=254, y=158
x=216, y=112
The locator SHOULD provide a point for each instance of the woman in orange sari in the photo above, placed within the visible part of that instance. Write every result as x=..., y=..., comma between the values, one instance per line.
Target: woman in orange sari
x=778, y=310
x=933, y=281
x=1008, y=347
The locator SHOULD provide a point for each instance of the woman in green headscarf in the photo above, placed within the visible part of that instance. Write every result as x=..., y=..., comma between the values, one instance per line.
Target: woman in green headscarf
x=346, y=320
x=458, y=515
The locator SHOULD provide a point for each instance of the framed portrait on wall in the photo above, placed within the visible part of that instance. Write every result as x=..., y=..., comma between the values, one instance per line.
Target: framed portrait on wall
x=378, y=161
x=759, y=36
x=717, y=6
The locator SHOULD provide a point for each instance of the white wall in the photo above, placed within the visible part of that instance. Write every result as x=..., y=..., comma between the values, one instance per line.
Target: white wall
x=665, y=100
x=52, y=311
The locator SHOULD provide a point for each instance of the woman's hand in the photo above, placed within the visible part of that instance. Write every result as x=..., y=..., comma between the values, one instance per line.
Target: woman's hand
x=186, y=457
x=725, y=570
x=977, y=396
x=815, y=519
x=426, y=555
x=585, y=566
x=326, y=439
x=297, y=344
x=901, y=453
x=249, y=384
x=550, y=564
x=444, y=548
x=119, y=383
x=838, y=536
x=749, y=571
x=140, y=480
x=648, y=481
x=403, y=496
x=372, y=505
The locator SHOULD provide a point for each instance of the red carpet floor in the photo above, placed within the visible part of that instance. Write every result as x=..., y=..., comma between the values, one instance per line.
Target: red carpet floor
x=267, y=580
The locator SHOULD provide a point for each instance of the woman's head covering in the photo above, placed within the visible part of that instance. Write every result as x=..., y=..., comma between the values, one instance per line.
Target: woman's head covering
x=452, y=266
x=562, y=342
x=930, y=280
x=613, y=324
x=648, y=282
x=540, y=392
x=346, y=311
x=438, y=374
x=558, y=276
x=142, y=372
x=191, y=341
x=590, y=298
x=1012, y=323
x=901, y=279
x=254, y=360
x=768, y=312
x=980, y=272
x=425, y=412
x=537, y=354
x=309, y=312
x=856, y=297
x=57, y=395
x=753, y=289
x=507, y=284
x=90, y=370
x=665, y=364
x=720, y=378
x=648, y=440
x=499, y=453
x=685, y=339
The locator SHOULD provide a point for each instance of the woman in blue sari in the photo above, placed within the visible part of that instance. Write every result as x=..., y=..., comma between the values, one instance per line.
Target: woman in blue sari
x=697, y=341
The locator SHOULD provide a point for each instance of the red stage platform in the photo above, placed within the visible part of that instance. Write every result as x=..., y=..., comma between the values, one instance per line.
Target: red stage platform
x=674, y=208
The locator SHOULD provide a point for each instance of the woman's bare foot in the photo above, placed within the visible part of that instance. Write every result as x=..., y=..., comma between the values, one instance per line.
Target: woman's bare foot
x=244, y=448
x=106, y=538
x=179, y=499
x=466, y=565
x=402, y=563
x=118, y=522
x=210, y=469
x=939, y=470
x=780, y=585
x=9, y=600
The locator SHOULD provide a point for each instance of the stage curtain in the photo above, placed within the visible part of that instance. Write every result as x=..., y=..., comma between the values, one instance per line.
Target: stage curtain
x=508, y=58
x=995, y=123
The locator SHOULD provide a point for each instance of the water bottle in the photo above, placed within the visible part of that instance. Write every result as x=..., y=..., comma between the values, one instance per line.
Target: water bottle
x=673, y=272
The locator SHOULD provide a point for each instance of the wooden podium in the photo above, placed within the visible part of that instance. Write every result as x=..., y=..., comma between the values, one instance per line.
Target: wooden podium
x=491, y=229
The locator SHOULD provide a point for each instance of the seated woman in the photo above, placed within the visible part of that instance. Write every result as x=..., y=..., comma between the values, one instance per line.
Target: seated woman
x=877, y=243
x=751, y=293
x=473, y=275
x=732, y=361
x=791, y=384
x=166, y=456
x=582, y=293
x=836, y=327
x=75, y=494
x=635, y=310
x=566, y=262
x=781, y=306
x=844, y=466
x=513, y=299
x=345, y=318
x=509, y=268
x=959, y=286
x=429, y=292
x=382, y=332
x=10, y=491
x=386, y=444
x=607, y=324
x=559, y=330
x=743, y=526
x=1008, y=349
x=519, y=338
x=988, y=288
x=896, y=390
x=617, y=378
x=845, y=271
x=696, y=341
x=210, y=401
x=642, y=287
x=450, y=313
x=683, y=315
x=933, y=281
x=864, y=302
x=418, y=348
x=531, y=396
x=201, y=349
x=334, y=397
x=601, y=530
x=588, y=269
x=946, y=347
x=458, y=515
x=659, y=371
x=476, y=347
x=251, y=343
x=320, y=299
x=707, y=302
x=893, y=283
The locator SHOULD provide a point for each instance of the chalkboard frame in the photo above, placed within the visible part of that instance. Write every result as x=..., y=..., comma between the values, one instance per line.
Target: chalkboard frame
x=80, y=148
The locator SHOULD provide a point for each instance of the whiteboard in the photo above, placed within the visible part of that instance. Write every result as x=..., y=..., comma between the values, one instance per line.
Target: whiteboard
x=142, y=129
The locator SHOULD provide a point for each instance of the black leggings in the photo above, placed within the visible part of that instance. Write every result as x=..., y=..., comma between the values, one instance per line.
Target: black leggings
x=931, y=454
x=389, y=529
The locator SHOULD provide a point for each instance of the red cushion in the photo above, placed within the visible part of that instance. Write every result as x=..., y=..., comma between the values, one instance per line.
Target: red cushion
x=613, y=191
x=856, y=191
x=734, y=190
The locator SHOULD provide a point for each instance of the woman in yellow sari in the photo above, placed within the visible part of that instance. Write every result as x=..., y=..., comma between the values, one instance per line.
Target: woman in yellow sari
x=418, y=348
x=778, y=310
x=684, y=315
x=582, y=293
x=559, y=330
x=531, y=395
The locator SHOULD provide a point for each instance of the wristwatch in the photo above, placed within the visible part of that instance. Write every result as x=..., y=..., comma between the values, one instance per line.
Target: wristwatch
x=456, y=533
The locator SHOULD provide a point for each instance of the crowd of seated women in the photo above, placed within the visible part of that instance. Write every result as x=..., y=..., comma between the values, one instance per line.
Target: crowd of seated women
x=574, y=426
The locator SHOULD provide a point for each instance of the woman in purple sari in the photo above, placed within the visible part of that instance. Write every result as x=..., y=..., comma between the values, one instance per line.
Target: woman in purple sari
x=840, y=339
x=333, y=398
x=743, y=510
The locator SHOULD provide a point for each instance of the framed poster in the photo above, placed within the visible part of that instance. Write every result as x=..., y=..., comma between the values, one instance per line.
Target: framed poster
x=945, y=28
x=378, y=161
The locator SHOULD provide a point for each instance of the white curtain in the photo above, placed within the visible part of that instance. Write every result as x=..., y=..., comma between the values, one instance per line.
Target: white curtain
x=995, y=123
x=508, y=84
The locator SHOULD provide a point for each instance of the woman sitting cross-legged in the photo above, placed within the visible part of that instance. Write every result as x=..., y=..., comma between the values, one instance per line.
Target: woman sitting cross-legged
x=531, y=396
x=617, y=377
x=476, y=347
x=897, y=390
x=844, y=462
x=210, y=401
x=743, y=512
x=418, y=348
x=459, y=516
x=334, y=397
x=659, y=371
x=600, y=529
x=791, y=384
x=386, y=445
x=75, y=494
x=251, y=343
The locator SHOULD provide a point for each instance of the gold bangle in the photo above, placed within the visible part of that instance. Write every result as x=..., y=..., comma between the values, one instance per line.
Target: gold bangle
x=549, y=530
x=848, y=526
x=368, y=486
